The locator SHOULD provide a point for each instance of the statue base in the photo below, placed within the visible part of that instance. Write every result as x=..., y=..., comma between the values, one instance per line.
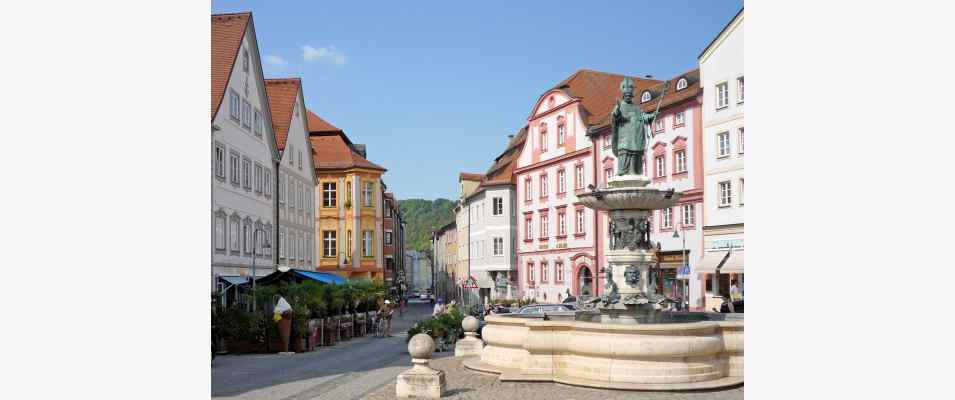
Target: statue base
x=628, y=181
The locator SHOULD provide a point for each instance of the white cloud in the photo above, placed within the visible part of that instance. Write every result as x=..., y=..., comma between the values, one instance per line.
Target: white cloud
x=328, y=54
x=276, y=61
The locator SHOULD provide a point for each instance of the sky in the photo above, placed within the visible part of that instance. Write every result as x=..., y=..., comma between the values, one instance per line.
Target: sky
x=433, y=88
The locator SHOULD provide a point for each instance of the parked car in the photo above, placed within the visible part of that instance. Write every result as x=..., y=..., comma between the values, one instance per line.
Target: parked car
x=546, y=308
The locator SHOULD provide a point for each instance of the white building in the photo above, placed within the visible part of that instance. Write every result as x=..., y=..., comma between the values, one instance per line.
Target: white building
x=419, y=270
x=721, y=72
x=243, y=152
x=296, y=180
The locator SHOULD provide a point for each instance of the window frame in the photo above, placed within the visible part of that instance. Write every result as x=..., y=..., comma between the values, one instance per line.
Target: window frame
x=498, y=250
x=719, y=145
x=645, y=96
x=330, y=196
x=367, y=242
x=679, y=161
x=247, y=173
x=543, y=185
x=739, y=138
x=660, y=164
x=329, y=243
x=681, y=84
x=666, y=218
x=724, y=196
x=246, y=114
x=528, y=189
x=235, y=168
x=258, y=178
x=561, y=224
x=740, y=191
x=659, y=125
x=739, y=89
x=257, y=124
x=721, y=100
x=220, y=232
x=235, y=106
x=561, y=181
x=688, y=211
x=561, y=133
x=679, y=119
x=367, y=194
x=543, y=136
x=388, y=238
x=579, y=176
x=497, y=206
x=579, y=220
x=543, y=267
x=558, y=271
x=544, y=222
x=219, y=157
x=267, y=179
x=245, y=60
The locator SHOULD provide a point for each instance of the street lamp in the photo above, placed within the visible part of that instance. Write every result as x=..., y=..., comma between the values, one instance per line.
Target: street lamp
x=686, y=289
x=265, y=245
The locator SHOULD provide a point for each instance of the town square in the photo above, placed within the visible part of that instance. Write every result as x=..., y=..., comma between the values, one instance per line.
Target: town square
x=477, y=200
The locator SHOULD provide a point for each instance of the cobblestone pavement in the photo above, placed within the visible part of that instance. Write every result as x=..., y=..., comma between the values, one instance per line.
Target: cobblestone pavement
x=466, y=384
x=348, y=370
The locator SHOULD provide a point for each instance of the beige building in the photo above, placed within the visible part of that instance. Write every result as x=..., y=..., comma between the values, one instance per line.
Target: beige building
x=444, y=248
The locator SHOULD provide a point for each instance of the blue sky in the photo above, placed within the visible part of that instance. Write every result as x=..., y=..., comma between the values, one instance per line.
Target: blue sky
x=434, y=87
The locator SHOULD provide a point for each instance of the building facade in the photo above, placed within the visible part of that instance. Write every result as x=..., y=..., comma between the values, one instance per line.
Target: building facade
x=560, y=246
x=444, y=250
x=463, y=217
x=419, y=270
x=349, y=216
x=721, y=73
x=296, y=179
x=396, y=275
x=673, y=161
x=243, y=153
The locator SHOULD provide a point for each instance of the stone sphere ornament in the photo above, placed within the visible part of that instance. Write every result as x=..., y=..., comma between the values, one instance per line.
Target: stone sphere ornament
x=421, y=346
x=470, y=324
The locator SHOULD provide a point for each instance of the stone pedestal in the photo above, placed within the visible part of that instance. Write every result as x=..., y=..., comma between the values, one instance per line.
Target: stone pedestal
x=469, y=346
x=421, y=380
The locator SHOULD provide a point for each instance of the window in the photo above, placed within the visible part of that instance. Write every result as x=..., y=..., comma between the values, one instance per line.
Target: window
x=681, y=84
x=607, y=141
x=661, y=166
x=680, y=156
x=290, y=191
x=579, y=171
x=268, y=234
x=220, y=232
x=527, y=189
x=329, y=244
x=348, y=246
x=658, y=125
x=282, y=189
x=497, y=206
x=247, y=173
x=739, y=90
x=245, y=60
x=645, y=97
x=291, y=157
x=530, y=272
x=544, y=226
x=246, y=238
x=543, y=271
x=561, y=181
x=246, y=114
x=308, y=247
x=234, y=167
x=528, y=229
x=366, y=243
x=558, y=271
x=234, y=235
x=329, y=195
x=722, y=95
x=498, y=246
x=740, y=191
x=723, y=144
x=234, y=106
x=579, y=215
x=268, y=182
x=366, y=194
x=258, y=178
x=689, y=216
x=561, y=131
x=300, y=159
x=291, y=245
x=388, y=238
x=543, y=129
x=543, y=179
x=667, y=214
x=257, y=123
x=282, y=244
x=740, y=140
x=220, y=161
x=726, y=194
x=679, y=119
x=608, y=173
x=561, y=224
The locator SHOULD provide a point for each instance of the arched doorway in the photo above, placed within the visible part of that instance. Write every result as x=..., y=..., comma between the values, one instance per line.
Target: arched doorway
x=585, y=281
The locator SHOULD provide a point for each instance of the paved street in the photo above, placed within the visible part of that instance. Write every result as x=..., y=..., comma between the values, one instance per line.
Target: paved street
x=348, y=370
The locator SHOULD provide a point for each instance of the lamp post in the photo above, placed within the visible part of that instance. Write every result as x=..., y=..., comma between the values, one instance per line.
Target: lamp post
x=686, y=289
x=265, y=245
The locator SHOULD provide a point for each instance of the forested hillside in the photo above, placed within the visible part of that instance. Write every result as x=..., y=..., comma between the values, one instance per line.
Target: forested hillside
x=422, y=217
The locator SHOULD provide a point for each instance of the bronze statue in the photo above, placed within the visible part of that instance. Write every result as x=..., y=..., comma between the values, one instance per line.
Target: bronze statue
x=629, y=139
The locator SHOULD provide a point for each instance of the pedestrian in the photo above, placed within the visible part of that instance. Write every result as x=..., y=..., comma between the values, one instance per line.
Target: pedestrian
x=451, y=306
x=386, y=314
x=438, y=307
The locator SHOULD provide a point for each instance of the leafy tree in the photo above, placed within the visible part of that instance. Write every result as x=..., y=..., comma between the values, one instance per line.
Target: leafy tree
x=423, y=217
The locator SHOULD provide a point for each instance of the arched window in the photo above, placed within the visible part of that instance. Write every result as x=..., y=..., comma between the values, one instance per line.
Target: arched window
x=645, y=97
x=681, y=84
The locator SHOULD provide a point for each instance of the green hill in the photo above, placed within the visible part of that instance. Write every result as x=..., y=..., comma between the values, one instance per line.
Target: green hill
x=422, y=217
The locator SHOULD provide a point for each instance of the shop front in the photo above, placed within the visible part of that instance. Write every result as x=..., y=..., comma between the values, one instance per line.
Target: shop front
x=669, y=281
x=722, y=268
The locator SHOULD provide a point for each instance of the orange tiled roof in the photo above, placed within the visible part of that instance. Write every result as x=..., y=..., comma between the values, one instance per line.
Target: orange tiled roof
x=598, y=91
x=227, y=33
x=502, y=171
x=282, y=95
x=672, y=95
x=467, y=176
x=332, y=152
x=317, y=124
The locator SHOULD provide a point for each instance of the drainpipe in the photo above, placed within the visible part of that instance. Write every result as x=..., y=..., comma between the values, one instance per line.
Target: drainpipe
x=598, y=248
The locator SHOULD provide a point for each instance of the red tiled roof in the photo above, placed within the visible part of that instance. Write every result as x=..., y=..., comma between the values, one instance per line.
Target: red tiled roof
x=227, y=33
x=672, y=95
x=282, y=96
x=598, y=92
x=332, y=152
x=467, y=176
x=317, y=124
x=502, y=171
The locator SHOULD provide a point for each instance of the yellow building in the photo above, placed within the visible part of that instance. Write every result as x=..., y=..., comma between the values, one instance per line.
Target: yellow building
x=348, y=226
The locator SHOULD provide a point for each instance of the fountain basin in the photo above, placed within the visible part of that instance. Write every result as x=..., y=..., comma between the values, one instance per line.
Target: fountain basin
x=629, y=198
x=672, y=356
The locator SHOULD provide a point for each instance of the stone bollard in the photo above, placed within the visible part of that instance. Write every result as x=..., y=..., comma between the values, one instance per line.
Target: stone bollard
x=421, y=380
x=469, y=346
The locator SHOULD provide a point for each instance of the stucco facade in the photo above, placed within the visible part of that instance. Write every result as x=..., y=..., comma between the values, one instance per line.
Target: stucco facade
x=721, y=70
x=243, y=152
x=444, y=248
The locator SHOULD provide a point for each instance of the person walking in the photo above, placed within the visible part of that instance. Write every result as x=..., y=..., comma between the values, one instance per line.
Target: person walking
x=388, y=311
x=438, y=307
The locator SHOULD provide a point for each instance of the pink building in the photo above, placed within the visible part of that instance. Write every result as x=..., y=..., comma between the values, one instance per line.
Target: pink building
x=561, y=242
x=674, y=160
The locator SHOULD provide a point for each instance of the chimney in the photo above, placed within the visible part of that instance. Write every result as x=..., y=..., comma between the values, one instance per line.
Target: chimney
x=360, y=149
x=648, y=76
